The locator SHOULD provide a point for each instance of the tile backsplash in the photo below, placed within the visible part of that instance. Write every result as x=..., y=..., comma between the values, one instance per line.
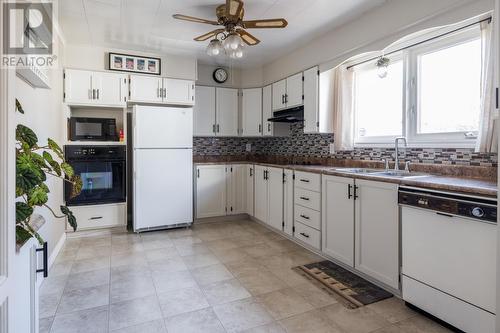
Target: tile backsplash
x=318, y=146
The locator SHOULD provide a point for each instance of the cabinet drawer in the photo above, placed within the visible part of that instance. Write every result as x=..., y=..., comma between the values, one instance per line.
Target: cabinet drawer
x=94, y=217
x=308, y=216
x=308, y=235
x=308, y=198
x=308, y=181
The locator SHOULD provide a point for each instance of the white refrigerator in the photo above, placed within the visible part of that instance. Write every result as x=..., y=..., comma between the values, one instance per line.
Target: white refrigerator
x=162, y=175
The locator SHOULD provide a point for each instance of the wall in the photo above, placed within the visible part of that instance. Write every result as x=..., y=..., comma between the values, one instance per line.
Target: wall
x=205, y=78
x=43, y=114
x=96, y=58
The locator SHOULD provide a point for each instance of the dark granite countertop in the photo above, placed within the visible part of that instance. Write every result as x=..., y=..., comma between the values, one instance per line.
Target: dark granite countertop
x=444, y=178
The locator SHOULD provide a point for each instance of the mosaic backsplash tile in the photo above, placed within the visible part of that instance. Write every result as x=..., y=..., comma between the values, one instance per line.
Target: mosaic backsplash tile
x=317, y=145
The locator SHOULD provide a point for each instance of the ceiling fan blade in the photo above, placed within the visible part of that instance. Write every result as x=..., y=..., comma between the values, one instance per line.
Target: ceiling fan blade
x=208, y=35
x=262, y=24
x=234, y=9
x=194, y=19
x=249, y=39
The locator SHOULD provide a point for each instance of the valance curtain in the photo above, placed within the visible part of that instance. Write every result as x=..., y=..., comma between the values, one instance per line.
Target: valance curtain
x=487, y=140
x=343, y=108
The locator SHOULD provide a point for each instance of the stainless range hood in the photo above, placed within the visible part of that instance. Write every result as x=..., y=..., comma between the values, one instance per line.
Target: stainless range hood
x=293, y=115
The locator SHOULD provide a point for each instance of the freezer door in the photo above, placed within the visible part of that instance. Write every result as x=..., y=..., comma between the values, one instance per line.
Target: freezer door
x=162, y=127
x=163, y=187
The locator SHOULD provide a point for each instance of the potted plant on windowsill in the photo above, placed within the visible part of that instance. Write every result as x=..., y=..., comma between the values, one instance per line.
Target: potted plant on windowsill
x=33, y=164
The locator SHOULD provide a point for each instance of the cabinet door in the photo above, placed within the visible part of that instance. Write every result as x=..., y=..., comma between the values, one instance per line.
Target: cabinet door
x=377, y=231
x=236, y=189
x=204, y=111
x=311, y=100
x=78, y=87
x=279, y=91
x=260, y=194
x=275, y=200
x=210, y=190
x=111, y=88
x=338, y=219
x=288, y=202
x=249, y=176
x=294, y=90
x=251, y=112
x=267, y=110
x=146, y=89
x=226, y=111
x=179, y=92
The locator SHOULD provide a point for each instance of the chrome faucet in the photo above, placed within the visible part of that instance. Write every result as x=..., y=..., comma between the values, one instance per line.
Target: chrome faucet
x=396, y=146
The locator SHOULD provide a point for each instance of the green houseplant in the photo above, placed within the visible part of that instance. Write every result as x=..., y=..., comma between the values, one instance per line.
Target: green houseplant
x=33, y=164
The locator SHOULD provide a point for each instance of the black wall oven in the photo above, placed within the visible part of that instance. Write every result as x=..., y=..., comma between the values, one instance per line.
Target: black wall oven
x=103, y=173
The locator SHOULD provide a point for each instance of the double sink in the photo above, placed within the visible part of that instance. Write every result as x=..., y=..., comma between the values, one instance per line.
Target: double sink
x=385, y=173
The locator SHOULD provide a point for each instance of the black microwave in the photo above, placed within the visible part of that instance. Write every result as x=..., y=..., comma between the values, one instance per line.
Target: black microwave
x=92, y=129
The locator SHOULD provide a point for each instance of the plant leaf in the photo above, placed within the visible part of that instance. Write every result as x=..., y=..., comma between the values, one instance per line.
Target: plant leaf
x=19, y=107
x=77, y=186
x=22, y=235
x=26, y=135
x=46, y=155
x=27, y=178
x=23, y=211
x=39, y=160
x=71, y=218
x=37, y=197
x=68, y=169
x=55, y=148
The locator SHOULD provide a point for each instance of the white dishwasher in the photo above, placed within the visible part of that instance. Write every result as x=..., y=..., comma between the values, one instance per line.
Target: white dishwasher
x=449, y=256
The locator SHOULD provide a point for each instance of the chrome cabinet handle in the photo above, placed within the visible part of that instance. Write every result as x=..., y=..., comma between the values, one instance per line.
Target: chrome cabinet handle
x=305, y=235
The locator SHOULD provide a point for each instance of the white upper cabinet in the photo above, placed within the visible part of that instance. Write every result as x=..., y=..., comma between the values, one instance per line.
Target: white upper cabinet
x=146, y=89
x=279, y=92
x=267, y=110
x=204, y=111
x=83, y=87
x=294, y=90
x=311, y=100
x=179, y=92
x=251, y=112
x=226, y=112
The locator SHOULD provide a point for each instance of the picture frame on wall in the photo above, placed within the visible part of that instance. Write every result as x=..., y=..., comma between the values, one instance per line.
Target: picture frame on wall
x=134, y=63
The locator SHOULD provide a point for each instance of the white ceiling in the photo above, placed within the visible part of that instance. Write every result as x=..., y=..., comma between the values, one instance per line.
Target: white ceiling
x=148, y=26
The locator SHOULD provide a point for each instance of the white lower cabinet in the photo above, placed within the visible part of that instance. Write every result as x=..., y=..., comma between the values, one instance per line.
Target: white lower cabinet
x=307, y=208
x=249, y=179
x=377, y=231
x=260, y=193
x=269, y=196
x=236, y=189
x=338, y=218
x=99, y=216
x=288, y=211
x=210, y=190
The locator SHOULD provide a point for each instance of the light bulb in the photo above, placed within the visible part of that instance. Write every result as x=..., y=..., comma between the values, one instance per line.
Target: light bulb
x=214, y=48
x=232, y=42
x=382, y=72
x=236, y=54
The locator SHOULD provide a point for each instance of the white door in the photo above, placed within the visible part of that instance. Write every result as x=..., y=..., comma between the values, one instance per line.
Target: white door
x=275, y=199
x=260, y=194
x=294, y=90
x=204, y=111
x=249, y=176
x=179, y=92
x=311, y=100
x=338, y=218
x=377, y=231
x=267, y=110
x=288, y=202
x=279, y=91
x=236, y=189
x=226, y=111
x=78, y=87
x=210, y=190
x=146, y=89
x=251, y=112
x=111, y=88
x=162, y=127
x=163, y=187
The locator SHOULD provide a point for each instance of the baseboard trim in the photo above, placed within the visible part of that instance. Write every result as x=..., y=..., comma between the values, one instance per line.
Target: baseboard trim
x=57, y=249
x=225, y=218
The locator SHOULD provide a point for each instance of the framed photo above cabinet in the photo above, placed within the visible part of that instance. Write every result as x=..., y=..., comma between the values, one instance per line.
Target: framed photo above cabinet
x=134, y=63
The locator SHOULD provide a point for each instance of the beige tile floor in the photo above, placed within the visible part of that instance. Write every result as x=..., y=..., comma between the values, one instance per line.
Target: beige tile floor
x=217, y=277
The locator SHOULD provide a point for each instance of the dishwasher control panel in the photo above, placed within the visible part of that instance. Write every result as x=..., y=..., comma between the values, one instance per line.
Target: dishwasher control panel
x=484, y=209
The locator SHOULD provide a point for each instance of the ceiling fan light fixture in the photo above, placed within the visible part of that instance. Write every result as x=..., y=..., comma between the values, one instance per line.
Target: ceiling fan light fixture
x=215, y=47
x=236, y=54
x=232, y=42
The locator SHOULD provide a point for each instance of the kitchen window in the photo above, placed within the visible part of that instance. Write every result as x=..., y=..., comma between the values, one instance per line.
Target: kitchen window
x=431, y=94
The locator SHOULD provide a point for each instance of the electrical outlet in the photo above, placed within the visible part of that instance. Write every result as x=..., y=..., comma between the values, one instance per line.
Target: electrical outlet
x=332, y=148
x=248, y=147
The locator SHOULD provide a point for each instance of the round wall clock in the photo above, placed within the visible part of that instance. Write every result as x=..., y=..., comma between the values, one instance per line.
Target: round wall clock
x=220, y=75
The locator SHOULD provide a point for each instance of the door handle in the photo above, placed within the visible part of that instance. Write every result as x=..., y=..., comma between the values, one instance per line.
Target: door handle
x=251, y=172
x=286, y=98
x=260, y=128
x=304, y=198
x=218, y=128
x=269, y=127
x=45, y=269
x=349, y=195
x=96, y=218
x=305, y=217
x=198, y=173
x=304, y=234
x=304, y=180
x=355, y=192
x=282, y=99
x=97, y=93
x=93, y=93
x=213, y=128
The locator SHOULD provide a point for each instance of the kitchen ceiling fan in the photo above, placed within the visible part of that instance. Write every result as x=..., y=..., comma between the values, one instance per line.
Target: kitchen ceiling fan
x=233, y=34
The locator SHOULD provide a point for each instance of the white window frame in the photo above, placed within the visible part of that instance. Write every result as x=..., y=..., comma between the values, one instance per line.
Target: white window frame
x=410, y=107
x=378, y=141
x=451, y=139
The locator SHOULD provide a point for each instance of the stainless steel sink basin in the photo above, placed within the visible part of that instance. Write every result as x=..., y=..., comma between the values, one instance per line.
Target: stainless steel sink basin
x=399, y=174
x=355, y=170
